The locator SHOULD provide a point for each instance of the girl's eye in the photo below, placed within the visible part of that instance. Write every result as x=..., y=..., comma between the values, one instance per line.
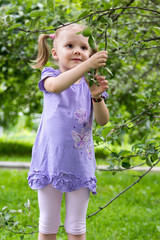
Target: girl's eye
x=69, y=45
x=84, y=48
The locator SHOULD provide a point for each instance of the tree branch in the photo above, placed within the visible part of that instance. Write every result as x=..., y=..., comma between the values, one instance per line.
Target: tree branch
x=105, y=40
x=135, y=118
x=115, y=19
x=87, y=16
x=16, y=232
x=106, y=205
x=142, y=15
x=131, y=23
x=153, y=47
x=150, y=68
x=140, y=8
x=118, y=169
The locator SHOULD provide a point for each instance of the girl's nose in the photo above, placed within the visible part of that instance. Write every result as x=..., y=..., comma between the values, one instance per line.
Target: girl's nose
x=76, y=51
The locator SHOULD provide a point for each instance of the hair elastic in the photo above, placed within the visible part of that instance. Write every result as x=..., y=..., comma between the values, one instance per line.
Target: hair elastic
x=52, y=36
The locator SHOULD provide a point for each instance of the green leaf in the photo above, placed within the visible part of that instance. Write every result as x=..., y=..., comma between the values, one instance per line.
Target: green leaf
x=51, y=4
x=97, y=139
x=108, y=70
x=87, y=32
x=115, y=2
x=157, y=30
x=15, y=26
x=151, y=140
x=148, y=162
x=154, y=157
x=78, y=33
x=102, y=19
x=151, y=118
x=126, y=164
x=37, y=13
x=91, y=82
x=138, y=146
x=90, y=19
x=91, y=42
x=113, y=43
x=158, y=228
x=123, y=153
x=35, y=21
x=135, y=51
x=114, y=154
x=4, y=208
x=101, y=45
x=1, y=23
x=107, y=5
x=143, y=157
x=105, y=131
x=83, y=14
x=7, y=216
x=28, y=23
x=110, y=21
x=137, y=37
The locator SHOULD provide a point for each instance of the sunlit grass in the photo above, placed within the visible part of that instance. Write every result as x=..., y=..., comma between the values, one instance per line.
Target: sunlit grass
x=133, y=216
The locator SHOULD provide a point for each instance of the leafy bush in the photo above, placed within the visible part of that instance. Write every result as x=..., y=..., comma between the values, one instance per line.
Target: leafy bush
x=8, y=147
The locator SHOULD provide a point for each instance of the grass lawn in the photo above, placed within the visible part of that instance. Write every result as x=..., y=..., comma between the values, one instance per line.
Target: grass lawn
x=133, y=216
x=15, y=158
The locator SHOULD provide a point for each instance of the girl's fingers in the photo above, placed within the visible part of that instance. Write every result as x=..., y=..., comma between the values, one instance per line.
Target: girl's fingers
x=101, y=60
x=101, y=78
x=102, y=53
x=104, y=84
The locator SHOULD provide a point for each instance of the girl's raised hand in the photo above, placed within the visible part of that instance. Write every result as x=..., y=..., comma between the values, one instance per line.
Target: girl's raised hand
x=98, y=59
x=95, y=90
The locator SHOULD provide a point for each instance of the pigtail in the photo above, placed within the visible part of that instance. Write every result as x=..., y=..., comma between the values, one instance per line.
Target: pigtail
x=43, y=52
x=93, y=51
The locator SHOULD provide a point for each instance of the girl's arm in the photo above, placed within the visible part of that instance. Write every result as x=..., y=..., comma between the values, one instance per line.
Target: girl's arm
x=101, y=112
x=67, y=78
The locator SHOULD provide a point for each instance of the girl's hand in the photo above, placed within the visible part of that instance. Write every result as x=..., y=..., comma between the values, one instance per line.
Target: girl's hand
x=98, y=60
x=95, y=90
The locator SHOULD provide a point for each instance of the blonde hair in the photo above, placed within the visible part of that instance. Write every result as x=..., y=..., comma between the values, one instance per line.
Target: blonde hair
x=43, y=47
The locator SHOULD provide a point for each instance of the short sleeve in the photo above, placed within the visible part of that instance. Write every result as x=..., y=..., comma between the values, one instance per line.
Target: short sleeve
x=105, y=95
x=47, y=72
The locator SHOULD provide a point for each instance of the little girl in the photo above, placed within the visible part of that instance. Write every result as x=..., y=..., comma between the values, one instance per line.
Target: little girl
x=63, y=155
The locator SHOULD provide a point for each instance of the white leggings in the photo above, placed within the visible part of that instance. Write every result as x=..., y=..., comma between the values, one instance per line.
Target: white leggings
x=76, y=203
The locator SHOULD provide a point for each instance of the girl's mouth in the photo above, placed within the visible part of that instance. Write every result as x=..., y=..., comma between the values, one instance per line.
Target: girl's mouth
x=77, y=59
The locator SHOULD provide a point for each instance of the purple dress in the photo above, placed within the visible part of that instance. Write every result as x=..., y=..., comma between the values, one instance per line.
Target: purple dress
x=63, y=152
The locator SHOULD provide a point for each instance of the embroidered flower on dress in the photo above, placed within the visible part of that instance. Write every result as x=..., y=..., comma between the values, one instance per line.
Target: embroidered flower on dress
x=89, y=123
x=89, y=151
x=81, y=139
x=81, y=116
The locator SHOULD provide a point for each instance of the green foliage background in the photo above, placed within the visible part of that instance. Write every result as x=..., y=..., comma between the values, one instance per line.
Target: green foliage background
x=129, y=30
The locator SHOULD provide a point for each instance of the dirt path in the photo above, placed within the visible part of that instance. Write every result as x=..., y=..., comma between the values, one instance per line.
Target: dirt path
x=26, y=165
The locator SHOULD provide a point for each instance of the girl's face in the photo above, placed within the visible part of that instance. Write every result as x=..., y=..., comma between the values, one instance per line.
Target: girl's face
x=71, y=49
